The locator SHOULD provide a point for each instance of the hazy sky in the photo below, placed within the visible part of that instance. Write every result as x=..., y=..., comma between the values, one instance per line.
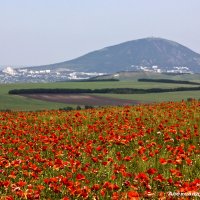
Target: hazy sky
x=36, y=32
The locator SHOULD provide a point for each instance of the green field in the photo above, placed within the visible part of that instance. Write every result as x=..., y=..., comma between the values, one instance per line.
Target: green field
x=157, y=97
x=13, y=102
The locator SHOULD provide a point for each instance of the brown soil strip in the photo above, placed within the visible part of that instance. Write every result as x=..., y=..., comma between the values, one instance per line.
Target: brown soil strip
x=82, y=99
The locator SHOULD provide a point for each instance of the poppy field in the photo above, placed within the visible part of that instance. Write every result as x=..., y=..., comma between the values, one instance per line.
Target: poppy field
x=129, y=152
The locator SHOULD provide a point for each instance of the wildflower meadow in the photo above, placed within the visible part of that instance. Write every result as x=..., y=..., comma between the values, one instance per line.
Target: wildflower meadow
x=130, y=152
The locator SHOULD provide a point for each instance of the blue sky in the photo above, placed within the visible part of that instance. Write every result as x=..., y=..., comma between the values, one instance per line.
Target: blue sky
x=36, y=32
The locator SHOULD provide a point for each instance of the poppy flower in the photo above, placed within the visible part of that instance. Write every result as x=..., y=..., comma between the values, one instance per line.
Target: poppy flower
x=80, y=177
x=152, y=171
x=133, y=195
x=163, y=161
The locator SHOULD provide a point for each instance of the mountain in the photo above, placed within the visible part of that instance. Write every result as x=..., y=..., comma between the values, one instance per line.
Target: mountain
x=142, y=54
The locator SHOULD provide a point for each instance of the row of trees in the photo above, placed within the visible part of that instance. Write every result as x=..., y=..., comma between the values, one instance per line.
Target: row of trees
x=97, y=80
x=167, y=81
x=68, y=108
x=104, y=90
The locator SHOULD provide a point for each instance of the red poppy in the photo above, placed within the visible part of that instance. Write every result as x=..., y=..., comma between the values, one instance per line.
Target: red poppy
x=95, y=187
x=152, y=171
x=159, y=178
x=21, y=183
x=163, y=161
x=133, y=195
x=94, y=159
x=80, y=177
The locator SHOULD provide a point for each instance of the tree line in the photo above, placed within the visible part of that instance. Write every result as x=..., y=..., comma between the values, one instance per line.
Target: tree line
x=103, y=90
x=92, y=80
x=167, y=81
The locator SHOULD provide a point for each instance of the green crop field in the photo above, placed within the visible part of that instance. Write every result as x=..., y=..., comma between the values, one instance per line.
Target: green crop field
x=157, y=97
x=14, y=102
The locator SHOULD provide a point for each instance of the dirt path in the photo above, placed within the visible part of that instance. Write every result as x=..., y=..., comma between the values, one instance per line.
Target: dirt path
x=81, y=99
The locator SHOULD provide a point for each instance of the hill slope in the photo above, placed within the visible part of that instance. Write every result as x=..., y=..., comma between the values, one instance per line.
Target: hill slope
x=134, y=55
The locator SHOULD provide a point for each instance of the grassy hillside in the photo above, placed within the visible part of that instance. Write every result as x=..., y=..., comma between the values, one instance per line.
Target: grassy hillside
x=21, y=103
x=134, y=76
